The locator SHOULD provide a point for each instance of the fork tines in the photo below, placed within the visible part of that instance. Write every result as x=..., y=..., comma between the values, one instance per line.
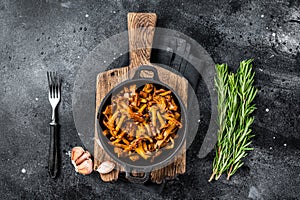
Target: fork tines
x=54, y=84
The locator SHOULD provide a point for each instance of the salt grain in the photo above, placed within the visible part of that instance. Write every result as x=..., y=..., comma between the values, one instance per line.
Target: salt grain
x=274, y=137
x=284, y=145
x=271, y=148
x=267, y=110
x=68, y=153
x=86, y=15
x=23, y=171
x=262, y=16
x=36, y=99
x=273, y=34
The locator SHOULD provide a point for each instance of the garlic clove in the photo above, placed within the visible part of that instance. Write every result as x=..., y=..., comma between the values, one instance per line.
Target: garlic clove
x=86, y=167
x=76, y=153
x=83, y=157
x=106, y=167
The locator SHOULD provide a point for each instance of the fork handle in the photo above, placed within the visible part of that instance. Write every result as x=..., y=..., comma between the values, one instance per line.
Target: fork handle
x=53, y=150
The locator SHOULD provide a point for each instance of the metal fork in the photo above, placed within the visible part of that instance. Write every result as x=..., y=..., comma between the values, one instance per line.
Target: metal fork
x=54, y=98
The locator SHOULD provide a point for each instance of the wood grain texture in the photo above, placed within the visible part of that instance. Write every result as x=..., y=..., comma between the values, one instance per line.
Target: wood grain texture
x=108, y=80
x=140, y=31
x=105, y=82
x=141, y=27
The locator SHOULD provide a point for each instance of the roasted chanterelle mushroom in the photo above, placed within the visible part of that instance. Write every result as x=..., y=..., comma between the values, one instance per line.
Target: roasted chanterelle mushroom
x=140, y=122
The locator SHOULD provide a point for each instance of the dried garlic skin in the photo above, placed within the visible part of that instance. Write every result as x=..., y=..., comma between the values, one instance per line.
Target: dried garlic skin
x=106, y=167
x=81, y=160
x=76, y=153
x=83, y=157
x=86, y=167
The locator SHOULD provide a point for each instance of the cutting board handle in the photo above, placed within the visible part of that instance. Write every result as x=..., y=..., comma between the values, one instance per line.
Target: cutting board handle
x=141, y=27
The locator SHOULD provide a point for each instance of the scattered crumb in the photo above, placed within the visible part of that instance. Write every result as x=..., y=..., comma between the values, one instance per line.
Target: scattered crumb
x=169, y=49
x=267, y=110
x=274, y=137
x=114, y=58
x=271, y=56
x=273, y=34
x=271, y=148
x=260, y=69
x=86, y=15
x=267, y=28
x=114, y=12
x=23, y=171
x=104, y=61
x=262, y=16
x=66, y=4
x=254, y=193
x=68, y=153
x=199, y=120
x=36, y=99
x=284, y=144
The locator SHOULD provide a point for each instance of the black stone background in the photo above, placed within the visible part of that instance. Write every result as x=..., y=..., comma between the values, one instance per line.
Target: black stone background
x=36, y=36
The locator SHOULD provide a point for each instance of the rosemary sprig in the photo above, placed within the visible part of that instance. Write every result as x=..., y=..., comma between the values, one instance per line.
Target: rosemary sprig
x=221, y=84
x=235, y=95
x=246, y=93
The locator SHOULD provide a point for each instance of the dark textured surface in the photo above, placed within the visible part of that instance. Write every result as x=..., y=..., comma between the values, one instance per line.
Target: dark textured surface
x=37, y=36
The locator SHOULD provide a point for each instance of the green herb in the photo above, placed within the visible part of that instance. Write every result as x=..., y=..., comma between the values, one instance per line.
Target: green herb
x=221, y=82
x=235, y=95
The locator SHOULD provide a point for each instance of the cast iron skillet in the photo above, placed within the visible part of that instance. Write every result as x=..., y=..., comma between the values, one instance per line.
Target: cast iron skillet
x=142, y=165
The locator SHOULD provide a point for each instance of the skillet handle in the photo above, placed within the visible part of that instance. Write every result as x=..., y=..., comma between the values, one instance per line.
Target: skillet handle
x=136, y=179
x=137, y=74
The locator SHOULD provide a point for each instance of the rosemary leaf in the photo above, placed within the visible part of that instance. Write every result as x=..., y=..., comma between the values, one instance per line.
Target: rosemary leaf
x=235, y=95
x=221, y=80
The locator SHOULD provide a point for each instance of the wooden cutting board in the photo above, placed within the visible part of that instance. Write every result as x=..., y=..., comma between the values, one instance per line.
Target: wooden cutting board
x=141, y=28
